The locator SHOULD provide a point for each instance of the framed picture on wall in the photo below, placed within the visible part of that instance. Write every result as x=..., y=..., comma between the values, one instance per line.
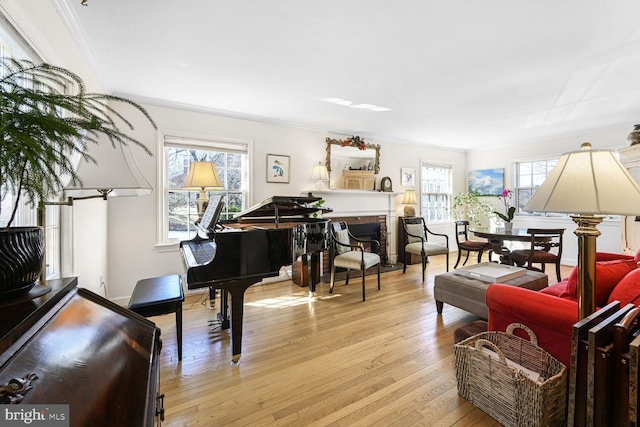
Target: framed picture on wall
x=277, y=168
x=408, y=176
x=486, y=182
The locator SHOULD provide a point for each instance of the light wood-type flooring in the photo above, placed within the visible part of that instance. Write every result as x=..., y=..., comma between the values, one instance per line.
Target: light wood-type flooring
x=331, y=360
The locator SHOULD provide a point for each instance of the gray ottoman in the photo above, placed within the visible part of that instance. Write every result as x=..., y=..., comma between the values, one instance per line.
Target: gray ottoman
x=469, y=294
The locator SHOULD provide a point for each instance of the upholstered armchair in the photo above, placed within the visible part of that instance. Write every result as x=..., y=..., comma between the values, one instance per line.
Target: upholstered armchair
x=416, y=241
x=350, y=252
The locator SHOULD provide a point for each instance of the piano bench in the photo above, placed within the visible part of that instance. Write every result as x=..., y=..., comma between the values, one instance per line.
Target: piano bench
x=158, y=296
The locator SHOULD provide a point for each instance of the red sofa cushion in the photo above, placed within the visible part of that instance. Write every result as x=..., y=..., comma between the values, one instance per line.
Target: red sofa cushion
x=608, y=275
x=556, y=289
x=628, y=290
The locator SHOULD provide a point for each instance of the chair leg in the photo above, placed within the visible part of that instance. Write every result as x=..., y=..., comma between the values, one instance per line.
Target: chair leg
x=465, y=259
x=424, y=266
x=363, y=297
x=479, y=257
x=346, y=282
x=458, y=260
x=404, y=263
x=378, y=276
x=447, y=264
x=558, y=272
x=333, y=278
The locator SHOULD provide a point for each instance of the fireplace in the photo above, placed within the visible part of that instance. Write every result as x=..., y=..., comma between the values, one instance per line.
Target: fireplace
x=365, y=227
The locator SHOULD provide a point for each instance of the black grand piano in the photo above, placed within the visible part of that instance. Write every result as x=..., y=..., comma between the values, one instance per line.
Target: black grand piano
x=263, y=238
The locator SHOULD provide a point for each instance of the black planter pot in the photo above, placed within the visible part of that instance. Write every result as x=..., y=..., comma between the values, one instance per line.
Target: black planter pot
x=21, y=257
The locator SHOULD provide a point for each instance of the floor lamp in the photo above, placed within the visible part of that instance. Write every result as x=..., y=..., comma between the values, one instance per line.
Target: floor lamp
x=117, y=176
x=587, y=183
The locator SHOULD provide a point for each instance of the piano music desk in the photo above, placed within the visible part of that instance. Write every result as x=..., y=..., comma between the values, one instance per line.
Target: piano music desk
x=158, y=296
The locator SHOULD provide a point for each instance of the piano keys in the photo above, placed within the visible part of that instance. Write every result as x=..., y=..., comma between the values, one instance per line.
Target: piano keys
x=260, y=241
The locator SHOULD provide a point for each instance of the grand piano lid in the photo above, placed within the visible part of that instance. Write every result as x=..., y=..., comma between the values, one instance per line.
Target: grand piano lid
x=282, y=206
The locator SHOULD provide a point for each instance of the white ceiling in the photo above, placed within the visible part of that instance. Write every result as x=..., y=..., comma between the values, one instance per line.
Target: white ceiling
x=458, y=73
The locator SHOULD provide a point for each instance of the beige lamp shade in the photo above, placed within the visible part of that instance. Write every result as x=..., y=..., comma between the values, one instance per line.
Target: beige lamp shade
x=203, y=175
x=410, y=197
x=409, y=200
x=117, y=173
x=320, y=175
x=588, y=182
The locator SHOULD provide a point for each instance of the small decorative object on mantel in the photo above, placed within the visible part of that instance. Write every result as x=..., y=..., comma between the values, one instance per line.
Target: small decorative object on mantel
x=634, y=136
x=385, y=184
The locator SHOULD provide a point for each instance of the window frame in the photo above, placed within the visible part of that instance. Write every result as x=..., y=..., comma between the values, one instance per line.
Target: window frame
x=518, y=189
x=204, y=142
x=424, y=194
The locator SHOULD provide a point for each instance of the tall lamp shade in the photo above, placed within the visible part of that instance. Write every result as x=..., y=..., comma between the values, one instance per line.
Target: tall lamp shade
x=203, y=176
x=320, y=175
x=587, y=183
x=117, y=174
x=409, y=200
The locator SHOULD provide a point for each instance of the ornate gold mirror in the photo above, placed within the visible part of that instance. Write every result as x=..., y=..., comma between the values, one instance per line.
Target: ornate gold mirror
x=353, y=153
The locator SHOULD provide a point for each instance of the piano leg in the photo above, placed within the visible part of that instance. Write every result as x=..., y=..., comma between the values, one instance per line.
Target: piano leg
x=314, y=273
x=236, y=289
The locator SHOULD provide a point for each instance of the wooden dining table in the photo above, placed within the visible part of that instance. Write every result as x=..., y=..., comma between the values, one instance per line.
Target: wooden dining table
x=497, y=235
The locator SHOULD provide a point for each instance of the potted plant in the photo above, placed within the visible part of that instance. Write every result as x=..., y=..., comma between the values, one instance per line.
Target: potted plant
x=46, y=119
x=468, y=206
x=509, y=211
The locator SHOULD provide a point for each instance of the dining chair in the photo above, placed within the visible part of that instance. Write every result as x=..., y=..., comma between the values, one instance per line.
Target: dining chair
x=350, y=252
x=545, y=248
x=416, y=242
x=464, y=244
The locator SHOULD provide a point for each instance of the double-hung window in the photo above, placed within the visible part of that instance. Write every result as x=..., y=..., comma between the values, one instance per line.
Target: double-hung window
x=179, y=210
x=436, y=192
x=529, y=177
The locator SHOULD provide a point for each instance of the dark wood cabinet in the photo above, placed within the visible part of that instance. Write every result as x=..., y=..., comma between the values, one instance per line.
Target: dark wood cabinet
x=410, y=259
x=87, y=352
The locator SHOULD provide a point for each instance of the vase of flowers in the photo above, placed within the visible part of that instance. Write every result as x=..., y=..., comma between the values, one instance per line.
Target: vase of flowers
x=509, y=211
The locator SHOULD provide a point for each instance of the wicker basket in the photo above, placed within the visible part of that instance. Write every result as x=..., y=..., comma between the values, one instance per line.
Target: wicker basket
x=496, y=372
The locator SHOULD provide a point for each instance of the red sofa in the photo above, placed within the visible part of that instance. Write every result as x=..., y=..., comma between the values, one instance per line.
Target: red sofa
x=552, y=312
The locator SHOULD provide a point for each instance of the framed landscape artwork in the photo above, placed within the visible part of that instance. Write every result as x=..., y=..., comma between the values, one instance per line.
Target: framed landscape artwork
x=277, y=168
x=486, y=182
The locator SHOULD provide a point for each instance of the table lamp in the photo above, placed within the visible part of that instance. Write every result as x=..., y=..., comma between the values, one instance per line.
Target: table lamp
x=203, y=176
x=320, y=174
x=409, y=200
x=587, y=183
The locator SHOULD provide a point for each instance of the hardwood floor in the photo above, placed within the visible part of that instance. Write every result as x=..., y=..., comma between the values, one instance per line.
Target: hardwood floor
x=332, y=360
